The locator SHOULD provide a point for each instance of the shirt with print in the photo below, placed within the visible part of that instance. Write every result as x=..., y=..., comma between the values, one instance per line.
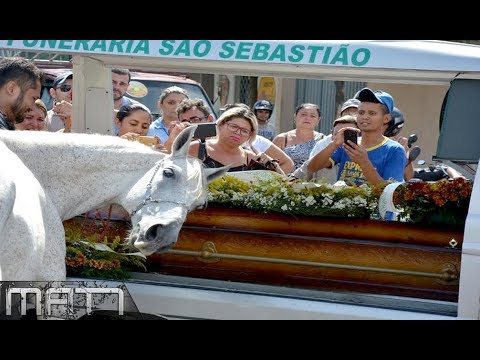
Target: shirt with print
x=388, y=158
x=268, y=131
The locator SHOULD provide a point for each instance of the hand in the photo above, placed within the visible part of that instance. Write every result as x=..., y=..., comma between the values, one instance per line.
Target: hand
x=270, y=163
x=130, y=136
x=263, y=158
x=176, y=127
x=339, y=138
x=402, y=141
x=64, y=109
x=357, y=153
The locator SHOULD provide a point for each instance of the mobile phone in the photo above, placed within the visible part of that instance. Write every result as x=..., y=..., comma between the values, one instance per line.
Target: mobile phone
x=351, y=135
x=148, y=140
x=205, y=130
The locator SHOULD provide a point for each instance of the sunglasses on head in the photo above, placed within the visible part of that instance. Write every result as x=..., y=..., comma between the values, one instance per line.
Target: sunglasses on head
x=65, y=88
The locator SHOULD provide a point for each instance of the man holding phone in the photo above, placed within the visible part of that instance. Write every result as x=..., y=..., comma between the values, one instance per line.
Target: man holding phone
x=191, y=111
x=375, y=158
x=327, y=174
x=59, y=118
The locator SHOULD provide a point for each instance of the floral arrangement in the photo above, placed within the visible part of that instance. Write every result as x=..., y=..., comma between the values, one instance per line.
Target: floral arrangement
x=421, y=202
x=440, y=202
x=278, y=194
x=95, y=249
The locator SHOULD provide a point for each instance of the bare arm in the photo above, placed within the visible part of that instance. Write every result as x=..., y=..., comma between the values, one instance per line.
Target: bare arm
x=64, y=109
x=322, y=159
x=193, y=149
x=408, y=174
x=280, y=140
x=453, y=173
x=285, y=162
x=175, y=129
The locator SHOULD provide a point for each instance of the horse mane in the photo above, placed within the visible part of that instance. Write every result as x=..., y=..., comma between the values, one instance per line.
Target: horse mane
x=83, y=148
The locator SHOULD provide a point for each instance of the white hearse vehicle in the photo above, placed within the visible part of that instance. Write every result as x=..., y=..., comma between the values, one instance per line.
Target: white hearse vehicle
x=414, y=64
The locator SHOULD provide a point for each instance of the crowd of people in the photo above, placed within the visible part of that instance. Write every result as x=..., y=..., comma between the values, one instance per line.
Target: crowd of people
x=245, y=138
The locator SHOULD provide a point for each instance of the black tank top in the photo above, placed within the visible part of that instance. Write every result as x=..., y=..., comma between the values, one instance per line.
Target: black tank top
x=212, y=163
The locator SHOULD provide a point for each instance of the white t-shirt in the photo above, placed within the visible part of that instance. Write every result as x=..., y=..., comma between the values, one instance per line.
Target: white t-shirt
x=320, y=145
x=53, y=122
x=259, y=145
x=328, y=174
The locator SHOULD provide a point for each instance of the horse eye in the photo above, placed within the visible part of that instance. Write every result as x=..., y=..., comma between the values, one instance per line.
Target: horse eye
x=169, y=173
x=201, y=206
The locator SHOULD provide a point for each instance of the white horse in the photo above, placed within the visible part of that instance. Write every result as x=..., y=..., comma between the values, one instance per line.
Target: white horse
x=29, y=225
x=81, y=172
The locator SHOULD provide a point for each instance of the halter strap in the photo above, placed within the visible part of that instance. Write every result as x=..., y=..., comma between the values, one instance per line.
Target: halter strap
x=148, y=196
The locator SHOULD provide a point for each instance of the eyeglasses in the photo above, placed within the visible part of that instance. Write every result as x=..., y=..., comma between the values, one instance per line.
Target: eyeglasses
x=235, y=128
x=65, y=88
x=195, y=119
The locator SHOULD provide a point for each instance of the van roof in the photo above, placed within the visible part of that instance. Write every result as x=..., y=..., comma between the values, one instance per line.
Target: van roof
x=396, y=61
x=52, y=73
x=137, y=75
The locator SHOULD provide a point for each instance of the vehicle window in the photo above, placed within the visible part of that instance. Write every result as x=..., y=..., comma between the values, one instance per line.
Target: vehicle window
x=148, y=91
x=457, y=141
x=145, y=91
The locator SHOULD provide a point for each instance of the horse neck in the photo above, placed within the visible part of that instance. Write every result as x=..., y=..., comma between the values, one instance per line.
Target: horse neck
x=81, y=173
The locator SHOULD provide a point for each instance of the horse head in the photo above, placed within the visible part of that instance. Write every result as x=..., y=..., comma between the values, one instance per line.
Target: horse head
x=176, y=185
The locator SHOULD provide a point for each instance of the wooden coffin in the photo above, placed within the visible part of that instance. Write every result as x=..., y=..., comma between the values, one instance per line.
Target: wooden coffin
x=361, y=255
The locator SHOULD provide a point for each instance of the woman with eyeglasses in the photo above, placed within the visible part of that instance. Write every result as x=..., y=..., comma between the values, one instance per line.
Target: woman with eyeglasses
x=234, y=127
x=59, y=118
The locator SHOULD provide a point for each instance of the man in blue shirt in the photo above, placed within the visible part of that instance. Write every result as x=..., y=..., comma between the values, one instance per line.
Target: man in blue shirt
x=375, y=158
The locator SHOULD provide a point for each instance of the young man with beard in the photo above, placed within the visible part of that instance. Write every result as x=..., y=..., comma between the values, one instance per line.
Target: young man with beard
x=120, y=81
x=20, y=86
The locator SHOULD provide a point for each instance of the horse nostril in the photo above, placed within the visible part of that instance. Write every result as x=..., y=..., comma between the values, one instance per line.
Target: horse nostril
x=153, y=232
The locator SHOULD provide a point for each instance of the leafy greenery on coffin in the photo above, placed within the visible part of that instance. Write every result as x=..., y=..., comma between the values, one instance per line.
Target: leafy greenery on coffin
x=93, y=252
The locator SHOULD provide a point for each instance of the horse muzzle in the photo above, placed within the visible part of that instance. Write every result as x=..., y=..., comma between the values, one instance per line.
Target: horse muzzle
x=158, y=237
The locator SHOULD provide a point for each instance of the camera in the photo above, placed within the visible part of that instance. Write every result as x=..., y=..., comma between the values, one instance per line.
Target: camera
x=205, y=130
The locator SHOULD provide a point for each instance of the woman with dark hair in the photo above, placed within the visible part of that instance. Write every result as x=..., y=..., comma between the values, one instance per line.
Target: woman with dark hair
x=132, y=121
x=299, y=142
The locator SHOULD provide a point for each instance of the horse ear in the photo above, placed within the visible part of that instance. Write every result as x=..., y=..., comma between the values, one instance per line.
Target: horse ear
x=213, y=173
x=182, y=141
